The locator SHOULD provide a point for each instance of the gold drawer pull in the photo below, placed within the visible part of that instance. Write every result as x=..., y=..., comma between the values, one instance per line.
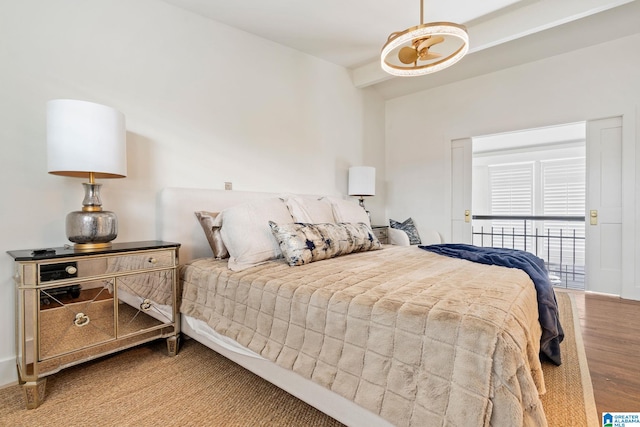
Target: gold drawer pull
x=145, y=305
x=81, y=320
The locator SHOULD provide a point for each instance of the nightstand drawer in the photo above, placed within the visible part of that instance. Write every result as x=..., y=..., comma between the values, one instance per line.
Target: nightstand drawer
x=382, y=233
x=156, y=259
x=79, y=268
x=68, y=323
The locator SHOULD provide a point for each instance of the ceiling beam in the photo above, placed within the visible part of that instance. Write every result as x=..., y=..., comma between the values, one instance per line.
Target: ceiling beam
x=512, y=24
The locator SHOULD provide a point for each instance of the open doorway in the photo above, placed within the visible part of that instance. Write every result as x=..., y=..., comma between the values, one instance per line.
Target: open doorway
x=529, y=193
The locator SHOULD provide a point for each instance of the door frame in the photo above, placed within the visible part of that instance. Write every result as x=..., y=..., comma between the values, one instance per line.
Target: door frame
x=461, y=195
x=631, y=204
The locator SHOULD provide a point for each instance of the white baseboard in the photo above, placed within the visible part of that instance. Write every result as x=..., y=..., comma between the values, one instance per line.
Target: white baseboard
x=8, y=372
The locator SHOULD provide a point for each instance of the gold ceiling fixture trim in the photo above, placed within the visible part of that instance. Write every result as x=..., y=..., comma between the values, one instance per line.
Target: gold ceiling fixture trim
x=408, y=52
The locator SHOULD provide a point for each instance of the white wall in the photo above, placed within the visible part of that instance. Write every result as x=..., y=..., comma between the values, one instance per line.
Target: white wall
x=204, y=104
x=601, y=81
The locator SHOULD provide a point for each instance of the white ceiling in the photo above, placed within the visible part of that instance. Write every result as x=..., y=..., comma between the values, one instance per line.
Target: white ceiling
x=345, y=32
x=351, y=33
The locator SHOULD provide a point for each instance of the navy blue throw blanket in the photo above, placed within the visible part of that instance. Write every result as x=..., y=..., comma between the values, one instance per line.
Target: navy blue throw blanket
x=552, y=333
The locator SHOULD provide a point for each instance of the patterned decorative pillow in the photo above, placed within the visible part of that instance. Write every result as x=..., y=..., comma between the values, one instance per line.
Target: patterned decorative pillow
x=302, y=243
x=408, y=227
x=212, y=232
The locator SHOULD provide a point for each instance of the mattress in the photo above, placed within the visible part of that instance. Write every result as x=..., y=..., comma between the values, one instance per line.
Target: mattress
x=415, y=337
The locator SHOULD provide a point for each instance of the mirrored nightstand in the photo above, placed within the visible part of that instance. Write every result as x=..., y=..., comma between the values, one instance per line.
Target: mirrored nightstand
x=382, y=233
x=75, y=306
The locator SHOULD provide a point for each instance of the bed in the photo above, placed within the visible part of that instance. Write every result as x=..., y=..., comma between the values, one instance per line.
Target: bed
x=391, y=336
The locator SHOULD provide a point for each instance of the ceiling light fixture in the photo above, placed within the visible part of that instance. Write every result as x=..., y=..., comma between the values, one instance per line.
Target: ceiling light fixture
x=407, y=53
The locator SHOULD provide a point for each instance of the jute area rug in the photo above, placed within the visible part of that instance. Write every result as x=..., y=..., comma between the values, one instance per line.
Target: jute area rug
x=144, y=387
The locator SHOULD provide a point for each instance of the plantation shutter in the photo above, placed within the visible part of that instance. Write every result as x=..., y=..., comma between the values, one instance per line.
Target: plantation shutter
x=511, y=193
x=563, y=193
x=563, y=186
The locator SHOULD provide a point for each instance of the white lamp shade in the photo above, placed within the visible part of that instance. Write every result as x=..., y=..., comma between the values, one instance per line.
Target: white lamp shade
x=83, y=137
x=362, y=181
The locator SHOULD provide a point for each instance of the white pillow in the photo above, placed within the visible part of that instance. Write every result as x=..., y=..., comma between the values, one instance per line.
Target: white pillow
x=246, y=233
x=347, y=211
x=310, y=211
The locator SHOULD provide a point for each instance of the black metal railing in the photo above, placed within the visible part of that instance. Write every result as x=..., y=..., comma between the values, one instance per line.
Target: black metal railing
x=561, y=243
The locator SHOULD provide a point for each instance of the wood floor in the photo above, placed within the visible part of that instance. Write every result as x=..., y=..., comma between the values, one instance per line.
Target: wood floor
x=611, y=333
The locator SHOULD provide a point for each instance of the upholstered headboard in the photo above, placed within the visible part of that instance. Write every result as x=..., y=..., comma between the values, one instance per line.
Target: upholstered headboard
x=177, y=221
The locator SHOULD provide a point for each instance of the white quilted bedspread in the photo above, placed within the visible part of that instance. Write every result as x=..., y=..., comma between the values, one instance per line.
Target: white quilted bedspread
x=418, y=338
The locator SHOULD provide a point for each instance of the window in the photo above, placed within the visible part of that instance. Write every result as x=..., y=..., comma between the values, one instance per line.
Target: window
x=511, y=189
x=563, y=186
x=511, y=192
x=532, y=174
x=547, y=187
x=563, y=193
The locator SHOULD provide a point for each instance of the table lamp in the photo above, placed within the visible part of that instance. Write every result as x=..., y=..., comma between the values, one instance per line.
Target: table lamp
x=87, y=140
x=362, y=182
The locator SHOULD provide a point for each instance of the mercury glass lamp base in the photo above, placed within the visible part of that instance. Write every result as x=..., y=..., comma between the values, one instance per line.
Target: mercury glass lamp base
x=91, y=230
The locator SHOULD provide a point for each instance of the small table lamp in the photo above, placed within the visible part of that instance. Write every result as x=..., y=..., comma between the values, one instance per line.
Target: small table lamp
x=362, y=182
x=87, y=140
